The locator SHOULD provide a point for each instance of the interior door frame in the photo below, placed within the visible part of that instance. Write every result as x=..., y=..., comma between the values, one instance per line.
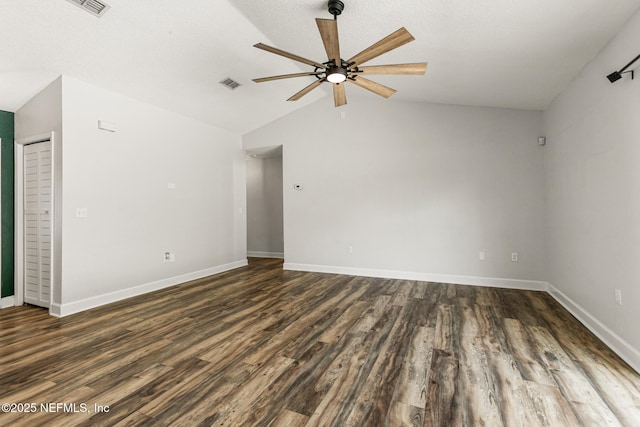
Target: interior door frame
x=18, y=285
x=1, y=304
x=263, y=153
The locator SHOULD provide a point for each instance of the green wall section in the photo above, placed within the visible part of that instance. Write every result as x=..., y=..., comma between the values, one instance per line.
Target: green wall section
x=6, y=133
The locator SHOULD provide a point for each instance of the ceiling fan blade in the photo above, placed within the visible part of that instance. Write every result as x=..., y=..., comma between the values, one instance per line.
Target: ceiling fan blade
x=284, y=76
x=418, y=68
x=374, y=87
x=392, y=41
x=306, y=90
x=329, y=33
x=339, y=95
x=289, y=55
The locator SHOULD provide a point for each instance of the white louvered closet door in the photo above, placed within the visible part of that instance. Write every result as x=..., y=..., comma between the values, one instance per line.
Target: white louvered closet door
x=37, y=223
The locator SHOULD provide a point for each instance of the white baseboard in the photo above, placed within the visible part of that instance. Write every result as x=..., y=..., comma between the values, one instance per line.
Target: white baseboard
x=257, y=254
x=65, y=309
x=622, y=348
x=534, y=285
x=7, y=302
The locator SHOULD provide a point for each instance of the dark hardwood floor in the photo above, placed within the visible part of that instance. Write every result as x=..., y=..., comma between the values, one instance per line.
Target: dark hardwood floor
x=262, y=346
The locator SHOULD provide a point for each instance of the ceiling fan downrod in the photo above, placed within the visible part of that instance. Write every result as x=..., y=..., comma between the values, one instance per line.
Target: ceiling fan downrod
x=335, y=8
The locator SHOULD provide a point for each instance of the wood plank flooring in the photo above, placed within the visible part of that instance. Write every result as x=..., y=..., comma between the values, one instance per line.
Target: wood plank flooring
x=265, y=347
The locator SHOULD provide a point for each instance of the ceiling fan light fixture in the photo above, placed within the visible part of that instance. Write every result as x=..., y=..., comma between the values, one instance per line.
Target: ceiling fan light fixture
x=338, y=71
x=336, y=75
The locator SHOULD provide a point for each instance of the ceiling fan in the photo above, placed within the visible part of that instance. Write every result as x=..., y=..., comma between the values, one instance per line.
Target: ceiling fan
x=338, y=71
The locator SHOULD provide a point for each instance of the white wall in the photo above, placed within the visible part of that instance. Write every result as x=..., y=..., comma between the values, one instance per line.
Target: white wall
x=593, y=195
x=416, y=190
x=134, y=218
x=264, y=207
x=42, y=113
x=122, y=179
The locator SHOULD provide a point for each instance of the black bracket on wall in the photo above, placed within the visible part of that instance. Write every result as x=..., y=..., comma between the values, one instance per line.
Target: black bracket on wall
x=617, y=75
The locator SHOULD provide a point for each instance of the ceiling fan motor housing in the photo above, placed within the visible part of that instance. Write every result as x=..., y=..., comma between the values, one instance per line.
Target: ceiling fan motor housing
x=335, y=7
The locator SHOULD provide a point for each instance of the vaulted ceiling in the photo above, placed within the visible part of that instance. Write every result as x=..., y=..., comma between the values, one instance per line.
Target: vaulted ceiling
x=500, y=53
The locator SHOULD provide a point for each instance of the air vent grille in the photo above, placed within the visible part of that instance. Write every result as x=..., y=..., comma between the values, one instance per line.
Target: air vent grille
x=230, y=83
x=94, y=7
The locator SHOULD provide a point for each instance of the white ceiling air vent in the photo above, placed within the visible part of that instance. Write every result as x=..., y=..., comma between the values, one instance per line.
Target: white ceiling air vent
x=229, y=83
x=94, y=7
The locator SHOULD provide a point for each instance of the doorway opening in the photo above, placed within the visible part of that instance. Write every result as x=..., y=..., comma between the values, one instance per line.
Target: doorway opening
x=265, y=223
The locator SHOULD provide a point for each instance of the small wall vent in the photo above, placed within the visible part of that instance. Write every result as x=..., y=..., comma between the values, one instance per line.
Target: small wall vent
x=230, y=83
x=94, y=7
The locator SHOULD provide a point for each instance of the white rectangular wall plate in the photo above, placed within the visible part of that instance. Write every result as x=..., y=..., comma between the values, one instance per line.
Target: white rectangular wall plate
x=108, y=126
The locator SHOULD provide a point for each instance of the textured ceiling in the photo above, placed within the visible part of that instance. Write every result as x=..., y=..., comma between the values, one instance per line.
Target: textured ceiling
x=501, y=53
